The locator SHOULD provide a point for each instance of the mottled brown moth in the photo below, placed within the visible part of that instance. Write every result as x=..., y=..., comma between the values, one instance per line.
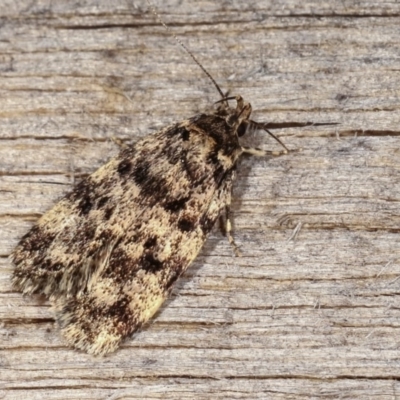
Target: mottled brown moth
x=109, y=252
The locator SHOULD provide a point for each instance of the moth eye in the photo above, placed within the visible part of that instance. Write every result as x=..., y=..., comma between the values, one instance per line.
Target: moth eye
x=242, y=128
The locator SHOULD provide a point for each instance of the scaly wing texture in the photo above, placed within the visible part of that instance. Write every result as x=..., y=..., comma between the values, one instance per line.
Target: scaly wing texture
x=108, y=253
x=135, y=283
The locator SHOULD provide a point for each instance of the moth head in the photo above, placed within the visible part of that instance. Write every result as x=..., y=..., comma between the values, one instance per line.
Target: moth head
x=238, y=118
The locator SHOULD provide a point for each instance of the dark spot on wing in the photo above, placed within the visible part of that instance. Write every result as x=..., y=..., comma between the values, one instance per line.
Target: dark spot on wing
x=124, y=167
x=119, y=309
x=185, y=134
x=186, y=224
x=150, y=264
x=140, y=173
x=108, y=212
x=177, y=131
x=102, y=201
x=176, y=205
x=83, y=196
x=150, y=242
x=153, y=188
x=85, y=204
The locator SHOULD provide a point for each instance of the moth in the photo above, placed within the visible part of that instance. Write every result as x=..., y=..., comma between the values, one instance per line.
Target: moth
x=108, y=254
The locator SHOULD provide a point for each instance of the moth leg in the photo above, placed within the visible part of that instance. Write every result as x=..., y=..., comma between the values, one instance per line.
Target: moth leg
x=228, y=226
x=222, y=225
x=263, y=153
x=220, y=208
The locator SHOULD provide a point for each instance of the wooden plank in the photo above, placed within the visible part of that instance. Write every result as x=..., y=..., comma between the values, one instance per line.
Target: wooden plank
x=311, y=309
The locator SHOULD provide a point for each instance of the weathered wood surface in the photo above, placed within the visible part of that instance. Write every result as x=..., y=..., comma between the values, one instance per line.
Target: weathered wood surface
x=311, y=310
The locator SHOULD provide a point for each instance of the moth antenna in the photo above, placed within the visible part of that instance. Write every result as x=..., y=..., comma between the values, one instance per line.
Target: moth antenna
x=154, y=11
x=261, y=126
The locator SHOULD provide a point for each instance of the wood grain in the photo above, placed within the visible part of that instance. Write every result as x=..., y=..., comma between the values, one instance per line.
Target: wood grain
x=311, y=310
